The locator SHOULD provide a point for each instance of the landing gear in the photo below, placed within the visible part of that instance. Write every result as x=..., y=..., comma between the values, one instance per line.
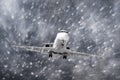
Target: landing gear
x=50, y=54
x=64, y=56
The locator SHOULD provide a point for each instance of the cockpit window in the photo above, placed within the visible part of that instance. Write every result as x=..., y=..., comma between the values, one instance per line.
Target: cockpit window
x=63, y=31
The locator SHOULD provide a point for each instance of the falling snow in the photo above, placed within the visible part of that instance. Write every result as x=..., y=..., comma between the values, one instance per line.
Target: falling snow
x=94, y=28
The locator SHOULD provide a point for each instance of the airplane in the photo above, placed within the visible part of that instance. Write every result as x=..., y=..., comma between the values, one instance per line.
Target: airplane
x=59, y=46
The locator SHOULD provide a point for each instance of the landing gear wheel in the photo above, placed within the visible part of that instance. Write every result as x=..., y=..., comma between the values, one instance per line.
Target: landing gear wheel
x=50, y=54
x=64, y=57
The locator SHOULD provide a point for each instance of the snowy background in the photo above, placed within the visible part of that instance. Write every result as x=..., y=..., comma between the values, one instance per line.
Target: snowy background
x=94, y=28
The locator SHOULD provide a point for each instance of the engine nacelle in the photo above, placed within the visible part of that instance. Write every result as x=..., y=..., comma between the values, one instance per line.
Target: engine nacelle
x=48, y=45
x=67, y=47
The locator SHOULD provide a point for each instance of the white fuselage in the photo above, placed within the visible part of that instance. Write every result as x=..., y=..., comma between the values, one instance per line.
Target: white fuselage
x=61, y=40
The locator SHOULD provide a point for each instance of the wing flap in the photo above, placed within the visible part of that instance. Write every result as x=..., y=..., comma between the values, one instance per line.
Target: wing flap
x=33, y=48
x=70, y=52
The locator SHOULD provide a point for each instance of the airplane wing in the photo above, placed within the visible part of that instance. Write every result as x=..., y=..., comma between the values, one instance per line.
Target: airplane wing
x=70, y=52
x=47, y=49
x=34, y=48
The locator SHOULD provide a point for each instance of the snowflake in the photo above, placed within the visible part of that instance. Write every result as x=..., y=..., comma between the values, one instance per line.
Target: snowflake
x=31, y=63
x=5, y=66
x=21, y=74
x=32, y=73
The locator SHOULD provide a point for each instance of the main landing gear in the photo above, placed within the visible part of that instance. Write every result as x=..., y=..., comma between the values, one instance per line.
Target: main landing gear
x=50, y=54
x=64, y=56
